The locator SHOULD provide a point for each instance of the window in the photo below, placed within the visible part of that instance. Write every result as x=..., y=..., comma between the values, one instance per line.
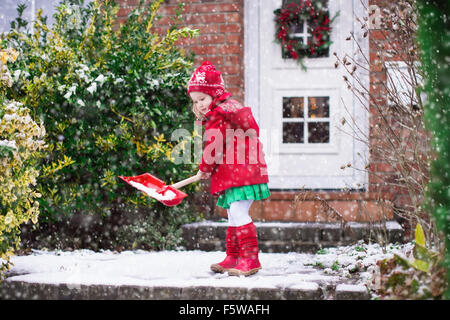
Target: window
x=401, y=83
x=306, y=117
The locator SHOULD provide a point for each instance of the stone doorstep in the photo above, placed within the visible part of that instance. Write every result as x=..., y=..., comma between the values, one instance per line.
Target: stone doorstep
x=19, y=290
x=308, y=207
x=291, y=236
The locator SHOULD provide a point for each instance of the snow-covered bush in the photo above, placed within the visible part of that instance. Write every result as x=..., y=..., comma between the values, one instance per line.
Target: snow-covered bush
x=110, y=96
x=420, y=275
x=21, y=142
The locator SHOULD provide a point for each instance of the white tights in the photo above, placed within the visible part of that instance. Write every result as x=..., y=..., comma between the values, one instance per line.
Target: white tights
x=238, y=213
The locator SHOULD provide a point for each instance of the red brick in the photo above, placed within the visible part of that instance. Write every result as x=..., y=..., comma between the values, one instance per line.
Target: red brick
x=215, y=60
x=228, y=7
x=230, y=27
x=348, y=209
x=229, y=49
x=233, y=38
x=306, y=211
x=166, y=10
x=256, y=210
x=233, y=17
x=378, y=77
x=384, y=167
x=377, y=35
x=185, y=42
x=283, y=206
x=210, y=39
x=377, y=88
x=133, y=3
x=204, y=8
x=376, y=211
x=236, y=92
x=226, y=70
x=205, y=18
x=233, y=80
x=205, y=29
x=165, y=20
x=232, y=59
x=211, y=50
x=123, y=12
x=278, y=210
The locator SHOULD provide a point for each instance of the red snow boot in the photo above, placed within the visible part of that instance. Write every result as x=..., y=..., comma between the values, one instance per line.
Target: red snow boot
x=248, y=251
x=232, y=257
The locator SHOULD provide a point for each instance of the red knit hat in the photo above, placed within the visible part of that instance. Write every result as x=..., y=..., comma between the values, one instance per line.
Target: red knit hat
x=208, y=80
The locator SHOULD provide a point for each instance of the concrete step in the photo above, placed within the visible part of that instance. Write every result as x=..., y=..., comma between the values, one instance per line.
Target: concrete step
x=20, y=290
x=172, y=275
x=281, y=237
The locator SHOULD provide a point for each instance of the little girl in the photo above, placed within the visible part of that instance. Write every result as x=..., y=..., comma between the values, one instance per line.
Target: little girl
x=237, y=178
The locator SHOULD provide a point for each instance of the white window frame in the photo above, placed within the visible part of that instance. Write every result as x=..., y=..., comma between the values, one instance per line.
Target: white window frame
x=399, y=80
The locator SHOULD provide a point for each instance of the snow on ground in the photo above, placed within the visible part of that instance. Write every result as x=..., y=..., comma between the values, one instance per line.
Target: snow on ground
x=191, y=268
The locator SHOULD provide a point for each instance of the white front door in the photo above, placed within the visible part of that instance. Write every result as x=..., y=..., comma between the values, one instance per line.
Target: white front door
x=300, y=112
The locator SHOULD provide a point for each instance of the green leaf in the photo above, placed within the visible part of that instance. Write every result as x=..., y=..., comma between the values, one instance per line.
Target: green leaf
x=421, y=253
x=420, y=265
x=420, y=235
x=401, y=261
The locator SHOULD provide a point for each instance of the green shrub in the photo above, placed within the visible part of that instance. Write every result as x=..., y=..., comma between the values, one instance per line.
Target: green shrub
x=110, y=97
x=433, y=39
x=20, y=146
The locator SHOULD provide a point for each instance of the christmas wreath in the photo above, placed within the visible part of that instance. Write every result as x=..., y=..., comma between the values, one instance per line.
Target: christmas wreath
x=290, y=16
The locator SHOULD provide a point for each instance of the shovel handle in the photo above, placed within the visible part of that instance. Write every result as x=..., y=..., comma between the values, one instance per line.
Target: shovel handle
x=185, y=182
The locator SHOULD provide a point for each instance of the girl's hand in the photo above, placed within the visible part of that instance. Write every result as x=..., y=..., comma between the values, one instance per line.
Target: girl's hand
x=204, y=175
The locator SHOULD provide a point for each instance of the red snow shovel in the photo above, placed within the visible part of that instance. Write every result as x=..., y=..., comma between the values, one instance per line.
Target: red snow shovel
x=156, y=188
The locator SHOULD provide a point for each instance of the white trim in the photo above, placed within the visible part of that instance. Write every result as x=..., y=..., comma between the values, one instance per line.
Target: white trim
x=251, y=55
x=359, y=110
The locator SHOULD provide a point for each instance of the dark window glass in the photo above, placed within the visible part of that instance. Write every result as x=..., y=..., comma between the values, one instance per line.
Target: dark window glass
x=318, y=132
x=293, y=107
x=293, y=132
x=318, y=107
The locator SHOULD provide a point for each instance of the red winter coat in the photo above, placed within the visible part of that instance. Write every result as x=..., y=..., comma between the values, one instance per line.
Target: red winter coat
x=231, y=129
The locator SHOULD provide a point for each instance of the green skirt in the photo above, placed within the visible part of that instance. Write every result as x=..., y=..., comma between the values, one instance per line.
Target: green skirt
x=251, y=192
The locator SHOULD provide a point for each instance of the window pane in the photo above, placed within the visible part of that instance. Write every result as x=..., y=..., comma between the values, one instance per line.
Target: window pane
x=304, y=37
x=318, y=132
x=293, y=107
x=292, y=132
x=296, y=27
x=318, y=107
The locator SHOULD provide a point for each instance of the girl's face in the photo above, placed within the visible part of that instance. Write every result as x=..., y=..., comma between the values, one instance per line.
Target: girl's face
x=201, y=101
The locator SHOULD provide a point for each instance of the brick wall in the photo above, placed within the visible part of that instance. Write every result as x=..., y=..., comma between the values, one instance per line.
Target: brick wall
x=383, y=177
x=221, y=34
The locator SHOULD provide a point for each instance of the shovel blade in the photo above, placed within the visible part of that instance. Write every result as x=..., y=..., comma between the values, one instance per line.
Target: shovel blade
x=167, y=195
